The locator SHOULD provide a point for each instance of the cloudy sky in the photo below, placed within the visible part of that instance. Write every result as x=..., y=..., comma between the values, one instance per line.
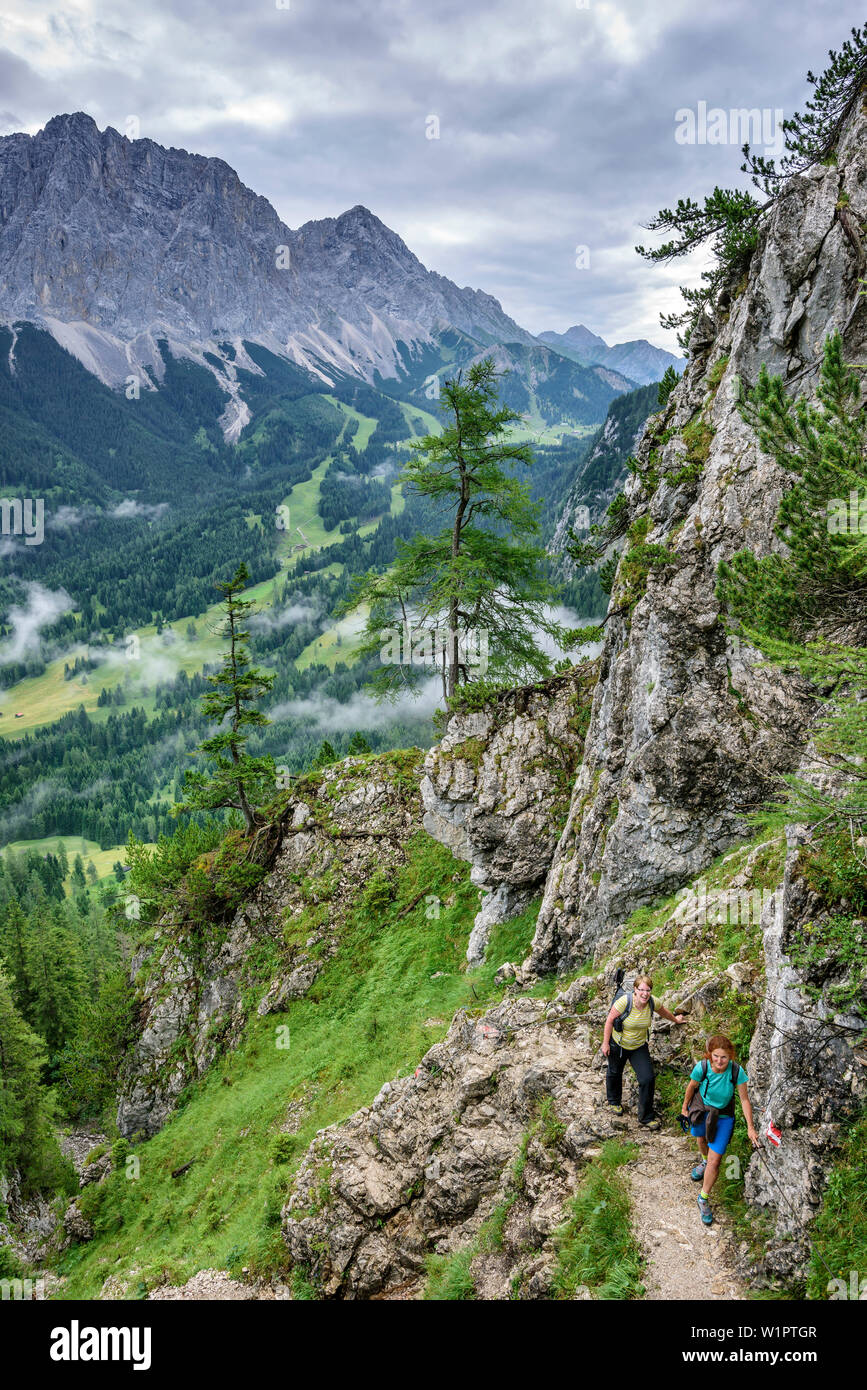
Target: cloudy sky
x=495, y=136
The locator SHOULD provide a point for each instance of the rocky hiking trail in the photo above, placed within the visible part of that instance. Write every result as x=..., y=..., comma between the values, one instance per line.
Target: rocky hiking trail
x=684, y=1259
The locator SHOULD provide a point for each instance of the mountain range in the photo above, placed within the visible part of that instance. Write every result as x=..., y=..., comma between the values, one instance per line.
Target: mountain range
x=125, y=251
x=639, y=359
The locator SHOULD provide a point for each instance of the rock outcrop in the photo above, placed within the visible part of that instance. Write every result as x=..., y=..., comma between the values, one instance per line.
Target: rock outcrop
x=808, y=1070
x=421, y=1168
x=338, y=827
x=496, y=790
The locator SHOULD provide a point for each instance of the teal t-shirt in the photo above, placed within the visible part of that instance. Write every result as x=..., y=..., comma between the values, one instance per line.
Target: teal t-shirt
x=717, y=1089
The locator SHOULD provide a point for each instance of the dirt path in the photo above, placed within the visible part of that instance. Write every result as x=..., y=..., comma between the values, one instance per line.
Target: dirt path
x=684, y=1258
x=211, y=1284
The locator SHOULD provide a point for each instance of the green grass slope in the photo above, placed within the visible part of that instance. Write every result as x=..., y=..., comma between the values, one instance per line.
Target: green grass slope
x=373, y=1012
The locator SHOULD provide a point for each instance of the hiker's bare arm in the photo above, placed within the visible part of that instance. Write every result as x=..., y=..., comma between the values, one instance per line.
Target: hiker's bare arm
x=748, y=1113
x=613, y=1014
x=691, y=1088
x=672, y=1018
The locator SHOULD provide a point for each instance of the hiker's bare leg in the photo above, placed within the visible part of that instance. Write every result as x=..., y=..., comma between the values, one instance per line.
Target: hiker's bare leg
x=711, y=1172
x=702, y=1147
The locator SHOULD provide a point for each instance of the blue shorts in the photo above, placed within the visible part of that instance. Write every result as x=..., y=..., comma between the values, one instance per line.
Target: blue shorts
x=725, y=1125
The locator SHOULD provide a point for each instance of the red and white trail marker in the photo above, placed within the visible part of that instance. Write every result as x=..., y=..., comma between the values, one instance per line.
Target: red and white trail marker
x=774, y=1135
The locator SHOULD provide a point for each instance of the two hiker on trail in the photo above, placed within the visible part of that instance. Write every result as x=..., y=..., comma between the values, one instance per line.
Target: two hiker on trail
x=627, y=1029
x=709, y=1102
x=709, y=1105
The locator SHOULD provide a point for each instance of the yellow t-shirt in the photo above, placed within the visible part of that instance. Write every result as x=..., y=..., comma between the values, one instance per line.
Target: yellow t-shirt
x=636, y=1029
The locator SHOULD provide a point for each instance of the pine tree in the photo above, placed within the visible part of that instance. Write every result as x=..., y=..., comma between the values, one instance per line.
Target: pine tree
x=820, y=584
x=238, y=781
x=480, y=578
x=27, y=1140
x=728, y=218
x=78, y=878
x=56, y=981
x=812, y=137
x=325, y=754
x=670, y=379
x=90, y=1063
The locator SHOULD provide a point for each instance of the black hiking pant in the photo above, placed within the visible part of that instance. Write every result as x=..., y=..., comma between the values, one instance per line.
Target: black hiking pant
x=642, y=1065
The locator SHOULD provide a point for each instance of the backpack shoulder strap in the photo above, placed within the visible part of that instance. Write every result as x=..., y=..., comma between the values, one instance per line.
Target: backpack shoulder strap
x=626, y=1012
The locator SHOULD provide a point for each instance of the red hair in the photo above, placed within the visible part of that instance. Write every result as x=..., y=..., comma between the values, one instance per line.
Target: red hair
x=720, y=1043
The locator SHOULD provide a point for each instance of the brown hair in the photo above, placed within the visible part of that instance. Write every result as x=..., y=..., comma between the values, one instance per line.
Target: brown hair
x=719, y=1043
x=643, y=980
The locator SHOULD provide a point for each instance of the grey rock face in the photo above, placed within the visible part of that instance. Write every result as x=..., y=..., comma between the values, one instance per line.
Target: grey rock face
x=32, y=1222
x=429, y=1160
x=76, y=1225
x=496, y=788
x=808, y=1072
x=112, y=244
x=686, y=728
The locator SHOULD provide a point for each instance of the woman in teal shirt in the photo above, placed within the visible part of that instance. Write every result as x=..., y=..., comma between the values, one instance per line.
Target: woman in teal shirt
x=716, y=1078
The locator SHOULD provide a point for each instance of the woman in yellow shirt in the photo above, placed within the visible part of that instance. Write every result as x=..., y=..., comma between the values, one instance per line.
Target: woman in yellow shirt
x=630, y=1042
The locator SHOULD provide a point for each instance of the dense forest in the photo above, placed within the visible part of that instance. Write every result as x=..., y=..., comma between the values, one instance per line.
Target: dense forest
x=155, y=559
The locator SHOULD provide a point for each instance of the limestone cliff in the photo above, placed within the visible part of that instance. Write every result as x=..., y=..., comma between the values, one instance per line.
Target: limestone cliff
x=496, y=789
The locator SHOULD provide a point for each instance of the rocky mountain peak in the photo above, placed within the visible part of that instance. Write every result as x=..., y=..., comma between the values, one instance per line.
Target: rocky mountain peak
x=112, y=244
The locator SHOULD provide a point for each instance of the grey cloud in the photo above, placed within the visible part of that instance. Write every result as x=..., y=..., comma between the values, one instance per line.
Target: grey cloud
x=129, y=508
x=304, y=611
x=361, y=711
x=557, y=124
x=40, y=609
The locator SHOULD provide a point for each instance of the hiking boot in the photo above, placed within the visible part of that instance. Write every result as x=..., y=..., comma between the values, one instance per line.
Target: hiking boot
x=698, y=1171
x=653, y=1124
x=704, y=1208
x=616, y=1109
